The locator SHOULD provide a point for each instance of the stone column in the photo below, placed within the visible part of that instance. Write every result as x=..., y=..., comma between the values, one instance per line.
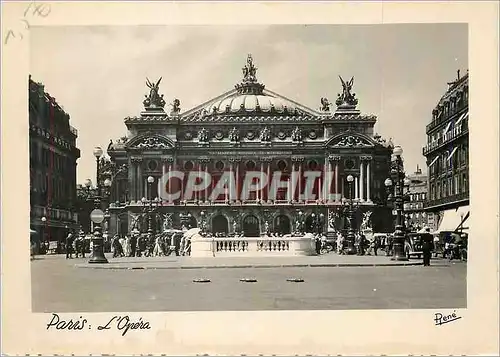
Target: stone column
x=197, y=198
x=261, y=192
x=337, y=190
x=361, y=179
x=231, y=172
x=356, y=192
x=300, y=182
x=139, y=187
x=269, y=179
x=132, y=171
x=170, y=181
x=292, y=182
x=343, y=185
x=237, y=180
x=368, y=180
x=205, y=198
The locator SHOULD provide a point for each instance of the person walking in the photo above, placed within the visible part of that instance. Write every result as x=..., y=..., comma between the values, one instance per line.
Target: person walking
x=427, y=244
x=69, y=246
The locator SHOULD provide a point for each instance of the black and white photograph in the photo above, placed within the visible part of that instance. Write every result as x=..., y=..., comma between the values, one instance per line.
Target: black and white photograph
x=313, y=169
x=249, y=178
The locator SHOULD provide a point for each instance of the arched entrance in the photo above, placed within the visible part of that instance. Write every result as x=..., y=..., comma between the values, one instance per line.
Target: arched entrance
x=282, y=224
x=251, y=226
x=220, y=224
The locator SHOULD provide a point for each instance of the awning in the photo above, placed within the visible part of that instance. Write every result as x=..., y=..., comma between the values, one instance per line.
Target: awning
x=434, y=161
x=454, y=219
x=462, y=117
x=453, y=152
x=447, y=128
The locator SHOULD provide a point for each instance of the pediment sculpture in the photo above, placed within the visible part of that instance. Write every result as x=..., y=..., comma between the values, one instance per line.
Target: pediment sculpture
x=203, y=135
x=296, y=134
x=234, y=134
x=176, y=106
x=325, y=105
x=265, y=134
x=154, y=100
x=350, y=141
x=347, y=98
x=152, y=143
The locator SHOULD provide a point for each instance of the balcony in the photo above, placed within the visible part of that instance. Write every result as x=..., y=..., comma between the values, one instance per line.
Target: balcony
x=460, y=197
x=448, y=137
x=54, y=214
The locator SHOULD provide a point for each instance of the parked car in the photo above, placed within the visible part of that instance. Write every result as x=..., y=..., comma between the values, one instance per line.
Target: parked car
x=413, y=245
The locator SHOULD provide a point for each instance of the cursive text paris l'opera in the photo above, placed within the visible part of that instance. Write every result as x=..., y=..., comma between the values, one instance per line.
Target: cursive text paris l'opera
x=124, y=324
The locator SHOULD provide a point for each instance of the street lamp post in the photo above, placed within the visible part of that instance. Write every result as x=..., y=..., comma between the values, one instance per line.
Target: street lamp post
x=351, y=249
x=396, y=194
x=150, y=213
x=44, y=222
x=97, y=239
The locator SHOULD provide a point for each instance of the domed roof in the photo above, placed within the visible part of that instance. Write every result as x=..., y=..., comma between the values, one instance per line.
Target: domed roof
x=250, y=103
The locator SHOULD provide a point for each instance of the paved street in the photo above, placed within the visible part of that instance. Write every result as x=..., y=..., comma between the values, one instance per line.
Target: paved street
x=60, y=286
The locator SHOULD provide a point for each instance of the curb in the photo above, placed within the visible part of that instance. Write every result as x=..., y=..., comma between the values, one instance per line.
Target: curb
x=333, y=265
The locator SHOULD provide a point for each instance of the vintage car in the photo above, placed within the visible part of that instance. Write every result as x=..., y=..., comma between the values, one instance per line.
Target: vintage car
x=413, y=245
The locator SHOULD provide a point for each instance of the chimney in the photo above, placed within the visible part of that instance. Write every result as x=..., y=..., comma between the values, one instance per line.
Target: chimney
x=419, y=171
x=458, y=75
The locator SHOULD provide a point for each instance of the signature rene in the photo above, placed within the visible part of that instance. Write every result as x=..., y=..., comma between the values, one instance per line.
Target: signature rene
x=441, y=319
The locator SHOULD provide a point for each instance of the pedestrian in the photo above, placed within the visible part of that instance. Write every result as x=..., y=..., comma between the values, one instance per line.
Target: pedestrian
x=427, y=244
x=318, y=244
x=133, y=244
x=69, y=246
x=83, y=244
x=376, y=244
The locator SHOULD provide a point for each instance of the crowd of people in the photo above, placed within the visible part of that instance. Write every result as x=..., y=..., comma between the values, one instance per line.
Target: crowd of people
x=364, y=245
x=150, y=245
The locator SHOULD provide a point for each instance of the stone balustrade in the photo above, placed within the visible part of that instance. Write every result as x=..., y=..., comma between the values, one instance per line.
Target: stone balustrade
x=251, y=246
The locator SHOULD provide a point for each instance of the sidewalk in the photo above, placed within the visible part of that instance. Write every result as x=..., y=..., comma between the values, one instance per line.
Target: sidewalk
x=326, y=260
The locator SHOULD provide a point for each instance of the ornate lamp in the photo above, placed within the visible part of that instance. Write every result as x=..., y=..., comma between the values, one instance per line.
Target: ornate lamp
x=395, y=190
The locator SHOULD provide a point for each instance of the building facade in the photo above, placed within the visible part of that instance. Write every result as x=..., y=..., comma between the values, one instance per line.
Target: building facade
x=447, y=154
x=248, y=131
x=415, y=215
x=53, y=156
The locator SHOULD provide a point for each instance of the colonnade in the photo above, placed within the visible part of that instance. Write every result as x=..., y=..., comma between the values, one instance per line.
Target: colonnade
x=330, y=186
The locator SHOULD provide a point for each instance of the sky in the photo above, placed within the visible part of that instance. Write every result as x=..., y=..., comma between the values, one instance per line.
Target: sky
x=97, y=74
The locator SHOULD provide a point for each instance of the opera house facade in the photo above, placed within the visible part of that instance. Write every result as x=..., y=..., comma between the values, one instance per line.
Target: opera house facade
x=247, y=162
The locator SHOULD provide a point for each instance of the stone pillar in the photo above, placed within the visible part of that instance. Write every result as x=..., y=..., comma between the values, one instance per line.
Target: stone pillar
x=337, y=190
x=139, y=187
x=132, y=171
x=238, y=194
x=361, y=179
x=292, y=182
x=300, y=182
x=231, y=172
x=368, y=181
x=328, y=196
x=356, y=192
x=343, y=185
x=199, y=175
x=170, y=181
x=205, y=198
x=269, y=180
x=261, y=192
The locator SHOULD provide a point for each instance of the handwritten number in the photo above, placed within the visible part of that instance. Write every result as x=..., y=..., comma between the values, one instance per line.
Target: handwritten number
x=9, y=34
x=42, y=10
x=27, y=23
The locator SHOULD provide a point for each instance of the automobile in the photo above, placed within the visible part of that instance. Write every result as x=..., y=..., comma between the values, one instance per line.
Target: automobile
x=413, y=245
